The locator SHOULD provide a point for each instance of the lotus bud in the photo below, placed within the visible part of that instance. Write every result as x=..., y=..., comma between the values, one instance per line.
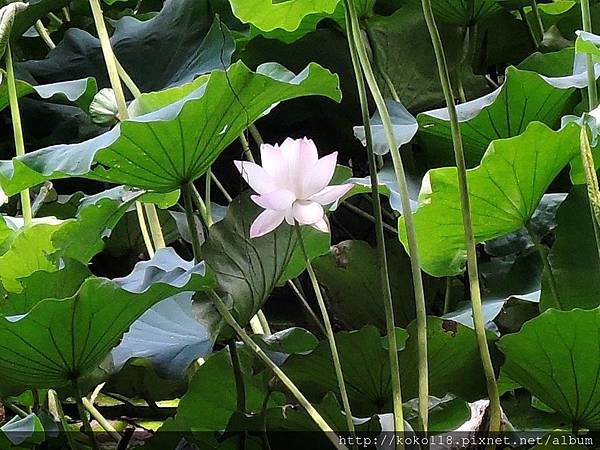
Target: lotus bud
x=104, y=109
x=7, y=19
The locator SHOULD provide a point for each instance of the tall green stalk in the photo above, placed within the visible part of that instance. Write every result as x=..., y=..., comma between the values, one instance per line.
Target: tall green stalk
x=43, y=32
x=240, y=387
x=61, y=416
x=421, y=310
x=381, y=247
x=113, y=66
x=591, y=179
x=83, y=415
x=187, y=191
x=538, y=20
x=587, y=157
x=532, y=34
x=207, y=198
x=253, y=346
x=492, y=387
x=542, y=251
x=102, y=421
x=591, y=76
x=329, y=333
x=288, y=383
x=17, y=129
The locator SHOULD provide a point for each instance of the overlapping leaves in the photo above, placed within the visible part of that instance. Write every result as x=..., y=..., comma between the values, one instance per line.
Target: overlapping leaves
x=175, y=144
x=183, y=41
x=247, y=270
x=80, y=91
x=59, y=341
x=504, y=190
x=506, y=112
x=25, y=250
x=453, y=359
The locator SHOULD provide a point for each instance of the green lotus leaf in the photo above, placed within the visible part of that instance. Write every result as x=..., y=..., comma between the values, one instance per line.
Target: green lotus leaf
x=176, y=144
x=523, y=98
x=25, y=250
x=22, y=431
x=464, y=13
x=43, y=284
x=59, y=341
x=554, y=356
x=402, y=48
x=350, y=274
x=183, y=41
x=36, y=10
x=29, y=250
x=572, y=278
x=80, y=92
x=454, y=366
x=288, y=15
x=247, y=270
x=504, y=190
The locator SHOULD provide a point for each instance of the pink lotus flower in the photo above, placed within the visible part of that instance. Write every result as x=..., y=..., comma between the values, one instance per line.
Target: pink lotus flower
x=292, y=184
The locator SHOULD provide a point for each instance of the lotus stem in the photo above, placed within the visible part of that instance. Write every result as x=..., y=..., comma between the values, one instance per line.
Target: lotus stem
x=83, y=415
x=14, y=408
x=43, y=32
x=329, y=333
x=197, y=198
x=61, y=415
x=589, y=168
x=532, y=34
x=105, y=424
x=207, y=200
x=465, y=51
x=547, y=267
x=381, y=245
x=155, y=228
x=448, y=295
x=109, y=58
x=256, y=135
x=220, y=186
x=133, y=88
x=289, y=384
x=538, y=20
x=253, y=346
x=586, y=152
x=186, y=191
x=369, y=217
x=408, y=218
x=112, y=66
x=591, y=75
x=309, y=310
x=238, y=375
x=17, y=128
x=256, y=326
x=54, y=17
x=263, y=321
x=378, y=65
x=144, y=229
x=492, y=387
x=246, y=148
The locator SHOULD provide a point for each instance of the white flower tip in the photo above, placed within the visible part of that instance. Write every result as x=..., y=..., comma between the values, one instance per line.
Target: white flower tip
x=321, y=225
x=239, y=165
